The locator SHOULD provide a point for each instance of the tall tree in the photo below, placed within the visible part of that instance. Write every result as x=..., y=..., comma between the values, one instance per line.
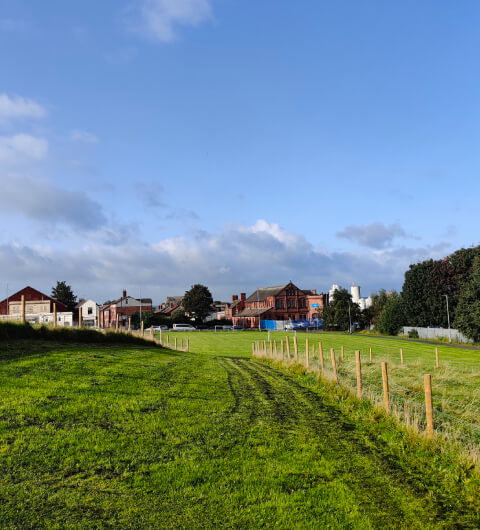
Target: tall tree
x=467, y=318
x=340, y=311
x=392, y=318
x=63, y=293
x=198, y=302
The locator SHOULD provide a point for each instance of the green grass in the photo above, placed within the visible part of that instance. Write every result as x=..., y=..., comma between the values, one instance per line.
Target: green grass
x=137, y=437
x=455, y=383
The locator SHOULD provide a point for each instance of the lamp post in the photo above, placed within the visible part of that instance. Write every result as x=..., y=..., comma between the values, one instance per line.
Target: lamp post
x=448, y=318
x=349, y=319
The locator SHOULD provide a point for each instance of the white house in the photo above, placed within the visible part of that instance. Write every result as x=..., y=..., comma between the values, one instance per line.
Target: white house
x=89, y=313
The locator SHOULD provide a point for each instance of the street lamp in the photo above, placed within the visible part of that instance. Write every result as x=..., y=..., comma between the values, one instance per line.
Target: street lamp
x=349, y=319
x=448, y=318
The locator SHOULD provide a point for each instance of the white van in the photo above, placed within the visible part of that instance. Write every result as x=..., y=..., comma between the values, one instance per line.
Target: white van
x=183, y=327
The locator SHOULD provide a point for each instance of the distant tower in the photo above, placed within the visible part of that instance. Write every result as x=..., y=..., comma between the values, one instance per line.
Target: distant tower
x=355, y=292
x=331, y=293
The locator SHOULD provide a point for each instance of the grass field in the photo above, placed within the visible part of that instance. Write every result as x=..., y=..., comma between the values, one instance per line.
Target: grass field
x=138, y=437
x=456, y=389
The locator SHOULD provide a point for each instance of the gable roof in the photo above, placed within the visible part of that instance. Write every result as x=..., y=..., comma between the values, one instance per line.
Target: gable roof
x=263, y=293
x=33, y=295
x=253, y=312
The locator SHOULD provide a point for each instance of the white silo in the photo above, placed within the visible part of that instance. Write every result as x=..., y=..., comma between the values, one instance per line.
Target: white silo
x=331, y=293
x=355, y=292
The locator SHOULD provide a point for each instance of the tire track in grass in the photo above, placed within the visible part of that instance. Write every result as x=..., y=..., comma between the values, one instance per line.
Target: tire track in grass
x=380, y=485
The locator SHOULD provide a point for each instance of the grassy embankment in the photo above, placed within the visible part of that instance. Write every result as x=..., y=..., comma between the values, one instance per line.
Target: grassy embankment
x=134, y=436
x=456, y=393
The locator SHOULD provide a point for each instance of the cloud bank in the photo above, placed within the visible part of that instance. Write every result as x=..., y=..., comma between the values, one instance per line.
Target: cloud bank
x=19, y=107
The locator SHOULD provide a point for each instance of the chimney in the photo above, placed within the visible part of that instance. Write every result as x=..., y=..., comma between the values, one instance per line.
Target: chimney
x=234, y=297
x=243, y=296
x=314, y=291
x=124, y=294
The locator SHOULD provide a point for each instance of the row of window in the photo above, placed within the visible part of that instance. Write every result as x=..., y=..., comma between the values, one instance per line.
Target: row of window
x=291, y=304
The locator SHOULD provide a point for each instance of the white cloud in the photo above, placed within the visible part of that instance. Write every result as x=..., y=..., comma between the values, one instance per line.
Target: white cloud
x=22, y=147
x=84, y=137
x=42, y=201
x=18, y=107
x=236, y=259
x=376, y=235
x=159, y=18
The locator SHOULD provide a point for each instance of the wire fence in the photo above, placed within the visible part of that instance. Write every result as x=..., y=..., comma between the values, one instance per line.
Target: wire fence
x=454, y=395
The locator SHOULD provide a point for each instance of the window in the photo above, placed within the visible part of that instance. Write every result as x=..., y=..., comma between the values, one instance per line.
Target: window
x=90, y=310
x=291, y=304
x=279, y=304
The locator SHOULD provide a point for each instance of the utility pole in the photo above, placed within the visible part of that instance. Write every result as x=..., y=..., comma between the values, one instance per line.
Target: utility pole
x=349, y=319
x=448, y=319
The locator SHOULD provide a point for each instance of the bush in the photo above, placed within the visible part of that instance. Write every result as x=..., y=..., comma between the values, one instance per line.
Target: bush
x=15, y=331
x=413, y=334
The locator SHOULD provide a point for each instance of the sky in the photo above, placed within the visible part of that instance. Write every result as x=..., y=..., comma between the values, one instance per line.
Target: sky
x=150, y=145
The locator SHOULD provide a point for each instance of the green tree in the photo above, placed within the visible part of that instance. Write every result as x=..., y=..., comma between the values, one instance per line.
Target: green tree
x=392, y=318
x=336, y=314
x=467, y=318
x=63, y=293
x=198, y=302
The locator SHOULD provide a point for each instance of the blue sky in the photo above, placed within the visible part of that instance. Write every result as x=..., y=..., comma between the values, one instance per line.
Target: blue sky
x=153, y=144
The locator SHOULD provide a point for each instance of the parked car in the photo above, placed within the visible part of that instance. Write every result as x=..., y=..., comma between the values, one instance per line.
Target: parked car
x=160, y=328
x=183, y=327
x=227, y=328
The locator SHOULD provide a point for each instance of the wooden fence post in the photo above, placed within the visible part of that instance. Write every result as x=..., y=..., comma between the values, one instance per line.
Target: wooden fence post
x=320, y=353
x=295, y=347
x=401, y=355
x=282, y=350
x=253, y=349
x=342, y=353
x=358, y=364
x=271, y=348
x=275, y=351
x=181, y=345
x=175, y=343
x=307, y=354
x=428, y=404
x=168, y=341
x=130, y=327
x=264, y=348
x=288, y=347
x=22, y=316
x=370, y=354
x=152, y=336
x=437, y=364
x=385, y=386
x=188, y=345
x=334, y=365
x=142, y=328
x=54, y=315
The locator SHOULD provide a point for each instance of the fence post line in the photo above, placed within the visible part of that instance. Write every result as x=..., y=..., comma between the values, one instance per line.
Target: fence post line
x=320, y=354
x=428, y=404
x=385, y=386
x=342, y=353
x=370, y=354
x=401, y=355
x=287, y=343
x=282, y=350
x=437, y=364
x=54, y=315
x=358, y=364
x=295, y=347
x=334, y=365
x=22, y=309
x=307, y=354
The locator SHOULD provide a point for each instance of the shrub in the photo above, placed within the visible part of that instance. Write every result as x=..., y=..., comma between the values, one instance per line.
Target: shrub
x=413, y=334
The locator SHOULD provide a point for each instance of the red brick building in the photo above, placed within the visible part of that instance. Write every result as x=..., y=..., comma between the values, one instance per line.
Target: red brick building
x=124, y=308
x=282, y=302
x=35, y=302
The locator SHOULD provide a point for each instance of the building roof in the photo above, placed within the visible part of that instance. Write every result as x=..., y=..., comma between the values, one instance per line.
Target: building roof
x=146, y=301
x=174, y=299
x=33, y=295
x=263, y=293
x=253, y=312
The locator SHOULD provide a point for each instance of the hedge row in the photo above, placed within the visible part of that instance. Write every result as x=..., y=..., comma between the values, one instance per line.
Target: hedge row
x=11, y=330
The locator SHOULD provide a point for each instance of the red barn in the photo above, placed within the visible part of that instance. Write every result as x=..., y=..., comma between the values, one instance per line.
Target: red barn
x=35, y=302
